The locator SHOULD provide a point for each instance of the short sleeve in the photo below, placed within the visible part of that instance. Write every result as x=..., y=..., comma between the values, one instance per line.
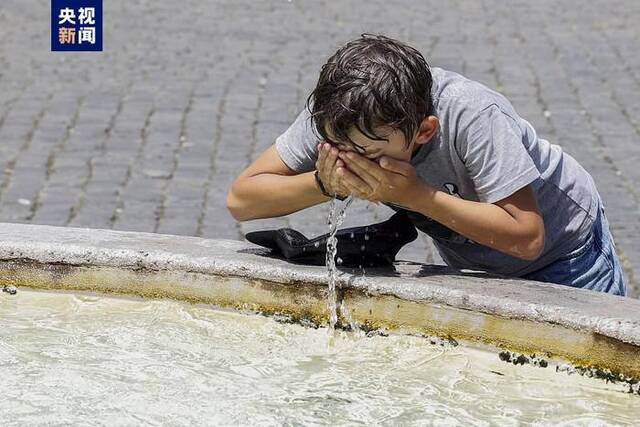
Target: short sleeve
x=297, y=146
x=495, y=157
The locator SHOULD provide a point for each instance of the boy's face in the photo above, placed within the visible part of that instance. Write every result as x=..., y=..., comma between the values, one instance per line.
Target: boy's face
x=395, y=147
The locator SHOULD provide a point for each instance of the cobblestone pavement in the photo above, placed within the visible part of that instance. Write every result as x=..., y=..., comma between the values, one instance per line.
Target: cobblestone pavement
x=149, y=134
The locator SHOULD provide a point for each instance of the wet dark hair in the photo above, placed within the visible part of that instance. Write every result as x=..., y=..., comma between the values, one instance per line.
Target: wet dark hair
x=369, y=82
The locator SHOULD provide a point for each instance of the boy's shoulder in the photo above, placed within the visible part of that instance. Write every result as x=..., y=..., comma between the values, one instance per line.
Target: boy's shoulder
x=456, y=95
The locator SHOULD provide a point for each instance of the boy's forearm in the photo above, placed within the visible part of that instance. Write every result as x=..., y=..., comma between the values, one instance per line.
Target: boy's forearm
x=272, y=195
x=484, y=223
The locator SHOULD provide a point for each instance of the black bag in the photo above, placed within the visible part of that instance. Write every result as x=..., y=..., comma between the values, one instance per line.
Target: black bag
x=374, y=245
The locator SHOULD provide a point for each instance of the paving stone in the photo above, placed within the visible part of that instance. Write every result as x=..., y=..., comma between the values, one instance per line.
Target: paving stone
x=168, y=119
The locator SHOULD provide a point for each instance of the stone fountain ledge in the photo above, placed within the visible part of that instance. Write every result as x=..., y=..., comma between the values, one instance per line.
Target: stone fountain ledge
x=583, y=327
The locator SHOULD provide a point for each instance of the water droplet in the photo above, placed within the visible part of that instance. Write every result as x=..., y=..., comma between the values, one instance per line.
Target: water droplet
x=316, y=244
x=366, y=237
x=362, y=248
x=339, y=261
x=10, y=289
x=352, y=235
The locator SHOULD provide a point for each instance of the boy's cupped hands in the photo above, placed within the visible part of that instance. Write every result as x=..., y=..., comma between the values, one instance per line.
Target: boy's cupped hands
x=327, y=165
x=384, y=179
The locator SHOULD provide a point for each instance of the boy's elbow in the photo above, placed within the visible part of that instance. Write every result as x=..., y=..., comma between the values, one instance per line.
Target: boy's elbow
x=235, y=207
x=534, y=252
x=535, y=245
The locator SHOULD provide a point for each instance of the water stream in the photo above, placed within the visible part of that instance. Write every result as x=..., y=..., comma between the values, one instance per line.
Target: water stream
x=335, y=219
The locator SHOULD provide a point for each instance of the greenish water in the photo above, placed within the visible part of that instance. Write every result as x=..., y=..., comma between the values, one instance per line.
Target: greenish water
x=89, y=360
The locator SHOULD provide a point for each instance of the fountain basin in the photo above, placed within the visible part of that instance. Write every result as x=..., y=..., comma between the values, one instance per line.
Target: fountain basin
x=578, y=326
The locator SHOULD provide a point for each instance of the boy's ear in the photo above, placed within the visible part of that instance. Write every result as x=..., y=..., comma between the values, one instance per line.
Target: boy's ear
x=428, y=128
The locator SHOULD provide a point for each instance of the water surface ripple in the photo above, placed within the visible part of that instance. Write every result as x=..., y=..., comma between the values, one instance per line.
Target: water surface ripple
x=89, y=360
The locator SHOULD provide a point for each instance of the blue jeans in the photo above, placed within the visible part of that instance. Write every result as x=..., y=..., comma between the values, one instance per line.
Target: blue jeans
x=593, y=265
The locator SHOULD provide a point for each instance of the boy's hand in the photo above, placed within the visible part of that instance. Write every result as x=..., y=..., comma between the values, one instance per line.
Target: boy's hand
x=387, y=180
x=327, y=165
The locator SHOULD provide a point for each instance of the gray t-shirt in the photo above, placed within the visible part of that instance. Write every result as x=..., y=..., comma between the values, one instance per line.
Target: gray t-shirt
x=484, y=152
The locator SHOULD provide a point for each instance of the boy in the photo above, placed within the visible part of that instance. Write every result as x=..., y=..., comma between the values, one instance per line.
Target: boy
x=384, y=126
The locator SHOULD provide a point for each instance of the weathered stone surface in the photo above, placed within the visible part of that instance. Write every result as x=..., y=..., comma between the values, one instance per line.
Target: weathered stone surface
x=582, y=326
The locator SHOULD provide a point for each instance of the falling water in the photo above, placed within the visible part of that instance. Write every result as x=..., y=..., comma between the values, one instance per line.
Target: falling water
x=336, y=216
